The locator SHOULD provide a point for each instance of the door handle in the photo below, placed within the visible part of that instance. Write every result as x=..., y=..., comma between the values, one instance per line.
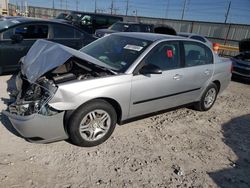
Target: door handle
x=177, y=77
x=207, y=72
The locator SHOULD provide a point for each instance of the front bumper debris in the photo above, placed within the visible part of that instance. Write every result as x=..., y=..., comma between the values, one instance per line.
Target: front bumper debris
x=39, y=128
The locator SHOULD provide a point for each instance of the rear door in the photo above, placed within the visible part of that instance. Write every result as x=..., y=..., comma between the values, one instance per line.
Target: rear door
x=12, y=52
x=198, y=68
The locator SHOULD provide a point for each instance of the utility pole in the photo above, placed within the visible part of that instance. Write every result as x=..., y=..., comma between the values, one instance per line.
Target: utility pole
x=184, y=8
x=228, y=10
x=53, y=8
x=127, y=8
x=95, y=7
x=77, y=4
x=21, y=8
x=66, y=4
x=167, y=8
x=53, y=4
x=26, y=8
x=61, y=4
x=112, y=7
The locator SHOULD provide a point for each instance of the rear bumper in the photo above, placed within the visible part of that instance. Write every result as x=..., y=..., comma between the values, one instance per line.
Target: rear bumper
x=241, y=70
x=38, y=128
x=241, y=74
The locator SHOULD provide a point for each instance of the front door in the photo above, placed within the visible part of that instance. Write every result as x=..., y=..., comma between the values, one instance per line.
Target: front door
x=154, y=92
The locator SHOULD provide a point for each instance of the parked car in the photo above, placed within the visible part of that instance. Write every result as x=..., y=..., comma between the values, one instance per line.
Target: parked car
x=90, y=21
x=18, y=35
x=125, y=27
x=241, y=62
x=135, y=27
x=196, y=37
x=241, y=65
x=82, y=95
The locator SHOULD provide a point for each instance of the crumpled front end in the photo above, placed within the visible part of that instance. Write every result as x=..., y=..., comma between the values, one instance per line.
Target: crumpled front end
x=44, y=68
x=31, y=114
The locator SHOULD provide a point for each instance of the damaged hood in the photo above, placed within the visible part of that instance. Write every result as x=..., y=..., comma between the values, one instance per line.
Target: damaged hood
x=45, y=55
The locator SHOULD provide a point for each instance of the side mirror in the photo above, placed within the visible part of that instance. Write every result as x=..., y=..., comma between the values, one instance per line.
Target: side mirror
x=150, y=69
x=16, y=38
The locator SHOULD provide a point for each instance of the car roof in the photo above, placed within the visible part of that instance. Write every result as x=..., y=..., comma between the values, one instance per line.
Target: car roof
x=91, y=13
x=147, y=36
x=26, y=19
x=21, y=20
x=189, y=34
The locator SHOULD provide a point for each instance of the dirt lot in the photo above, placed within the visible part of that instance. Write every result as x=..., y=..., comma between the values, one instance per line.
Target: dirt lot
x=181, y=148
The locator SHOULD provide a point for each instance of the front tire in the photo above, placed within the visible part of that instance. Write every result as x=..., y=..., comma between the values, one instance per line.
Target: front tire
x=92, y=124
x=208, y=98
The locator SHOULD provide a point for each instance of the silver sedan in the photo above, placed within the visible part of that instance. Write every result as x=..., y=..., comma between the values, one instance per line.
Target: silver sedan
x=81, y=95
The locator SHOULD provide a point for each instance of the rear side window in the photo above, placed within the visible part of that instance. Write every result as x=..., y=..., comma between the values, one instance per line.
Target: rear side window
x=32, y=31
x=166, y=56
x=64, y=32
x=197, y=54
x=198, y=38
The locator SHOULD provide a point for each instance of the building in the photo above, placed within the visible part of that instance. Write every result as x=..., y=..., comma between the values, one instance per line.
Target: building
x=4, y=7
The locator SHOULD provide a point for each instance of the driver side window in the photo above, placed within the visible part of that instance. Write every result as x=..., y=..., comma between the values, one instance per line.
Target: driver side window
x=166, y=56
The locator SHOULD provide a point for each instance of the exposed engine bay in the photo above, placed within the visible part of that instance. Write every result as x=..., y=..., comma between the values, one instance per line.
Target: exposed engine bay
x=33, y=98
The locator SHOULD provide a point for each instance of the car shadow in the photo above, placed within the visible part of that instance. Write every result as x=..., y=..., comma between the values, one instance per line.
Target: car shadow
x=7, y=124
x=237, y=136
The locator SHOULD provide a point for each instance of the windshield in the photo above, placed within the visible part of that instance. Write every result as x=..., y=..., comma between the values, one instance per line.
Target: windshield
x=116, y=51
x=119, y=27
x=4, y=24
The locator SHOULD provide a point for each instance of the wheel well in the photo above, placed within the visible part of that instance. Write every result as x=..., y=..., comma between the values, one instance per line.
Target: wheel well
x=116, y=106
x=113, y=102
x=217, y=83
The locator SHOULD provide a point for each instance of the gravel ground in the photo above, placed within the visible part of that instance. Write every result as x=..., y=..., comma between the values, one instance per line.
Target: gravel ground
x=181, y=148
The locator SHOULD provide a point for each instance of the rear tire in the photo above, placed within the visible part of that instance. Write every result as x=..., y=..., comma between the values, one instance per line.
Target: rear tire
x=92, y=124
x=208, y=98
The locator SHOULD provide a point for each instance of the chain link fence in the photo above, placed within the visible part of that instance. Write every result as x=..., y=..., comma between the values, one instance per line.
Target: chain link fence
x=226, y=34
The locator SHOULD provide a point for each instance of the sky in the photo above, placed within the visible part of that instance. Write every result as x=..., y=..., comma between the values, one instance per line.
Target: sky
x=198, y=10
